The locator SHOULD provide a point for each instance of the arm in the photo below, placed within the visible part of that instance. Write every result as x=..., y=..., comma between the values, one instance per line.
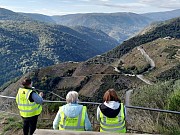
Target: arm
x=56, y=121
x=98, y=114
x=88, y=126
x=38, y=99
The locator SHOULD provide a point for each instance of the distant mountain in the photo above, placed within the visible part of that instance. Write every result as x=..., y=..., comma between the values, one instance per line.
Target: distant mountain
x=6, y=14
x=162, y=16
x=117, y=25
x=120, y=26
x=169, y=28
x=27, y=45
x=39, y=17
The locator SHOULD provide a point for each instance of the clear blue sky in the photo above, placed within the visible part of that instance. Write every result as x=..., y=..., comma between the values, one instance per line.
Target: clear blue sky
x=62, y=7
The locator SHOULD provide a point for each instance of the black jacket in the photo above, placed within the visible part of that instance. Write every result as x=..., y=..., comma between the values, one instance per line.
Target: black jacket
x=108, y=112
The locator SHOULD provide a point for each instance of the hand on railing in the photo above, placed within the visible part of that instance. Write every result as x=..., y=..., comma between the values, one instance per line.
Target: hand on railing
x=41, y=94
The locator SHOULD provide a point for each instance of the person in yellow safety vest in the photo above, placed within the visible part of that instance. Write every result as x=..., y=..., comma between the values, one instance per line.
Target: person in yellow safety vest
x=72, y=116
x=29, y=105
x=111, y=113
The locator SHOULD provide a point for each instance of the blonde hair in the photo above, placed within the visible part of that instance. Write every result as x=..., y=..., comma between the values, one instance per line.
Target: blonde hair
x=72, y=97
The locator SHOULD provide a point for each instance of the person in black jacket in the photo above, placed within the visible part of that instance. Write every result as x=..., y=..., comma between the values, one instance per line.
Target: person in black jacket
x=111, y=113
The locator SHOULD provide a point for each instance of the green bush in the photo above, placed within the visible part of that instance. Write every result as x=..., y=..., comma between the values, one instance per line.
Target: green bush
x=153, y=96
x=172, y=73
x=174, y=101
x=163, y=95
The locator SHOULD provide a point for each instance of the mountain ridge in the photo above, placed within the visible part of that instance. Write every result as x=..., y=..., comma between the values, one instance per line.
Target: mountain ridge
x=128, y=24
x=162, y=16
x=112, y=23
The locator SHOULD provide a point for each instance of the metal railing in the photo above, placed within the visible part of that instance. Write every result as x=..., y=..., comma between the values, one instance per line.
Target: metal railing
x=96, y=103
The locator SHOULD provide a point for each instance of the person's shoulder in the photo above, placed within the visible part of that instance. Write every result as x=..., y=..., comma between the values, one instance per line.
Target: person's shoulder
x=33, y=93
x=102, y=105
x=84, y=106
x=80, y=106
x=60, y=107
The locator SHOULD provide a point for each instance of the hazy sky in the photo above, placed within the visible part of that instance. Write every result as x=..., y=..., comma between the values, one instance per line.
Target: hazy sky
x=62, y=7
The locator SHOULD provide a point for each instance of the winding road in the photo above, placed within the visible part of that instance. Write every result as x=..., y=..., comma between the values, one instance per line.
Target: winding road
x=151, y=62
x=148, y=59
x=140, y=76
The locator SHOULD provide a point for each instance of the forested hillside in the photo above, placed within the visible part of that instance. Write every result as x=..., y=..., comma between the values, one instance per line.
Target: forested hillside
x=26, y=44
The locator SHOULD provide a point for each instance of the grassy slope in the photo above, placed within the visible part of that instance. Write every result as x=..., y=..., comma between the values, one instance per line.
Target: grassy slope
x=157, y=50
x=164, y=53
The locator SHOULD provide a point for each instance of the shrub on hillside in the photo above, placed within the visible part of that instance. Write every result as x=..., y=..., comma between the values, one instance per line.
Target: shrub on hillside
x=173, y=73
x=163, y=95
x=174, y=100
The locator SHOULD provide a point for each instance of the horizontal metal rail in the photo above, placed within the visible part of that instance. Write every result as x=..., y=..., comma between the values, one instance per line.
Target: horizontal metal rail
x=96, y=103
x=153, y=109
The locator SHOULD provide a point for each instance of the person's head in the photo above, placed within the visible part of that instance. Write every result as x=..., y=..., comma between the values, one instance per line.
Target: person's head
x=72, y=97
x=110, y=95
x=27, y=82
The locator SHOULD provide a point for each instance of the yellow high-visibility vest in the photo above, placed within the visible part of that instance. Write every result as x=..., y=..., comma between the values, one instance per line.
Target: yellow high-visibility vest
x=27, y=108
x=116, y=124
x=77, y=123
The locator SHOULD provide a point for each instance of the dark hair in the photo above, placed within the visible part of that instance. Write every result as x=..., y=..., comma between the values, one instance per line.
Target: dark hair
x=110, y=95
x=26, y=82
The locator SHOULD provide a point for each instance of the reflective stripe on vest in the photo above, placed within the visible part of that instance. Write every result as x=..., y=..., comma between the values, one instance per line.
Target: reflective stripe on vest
x=116, y=124
x=76, y=123
x=27, y=108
